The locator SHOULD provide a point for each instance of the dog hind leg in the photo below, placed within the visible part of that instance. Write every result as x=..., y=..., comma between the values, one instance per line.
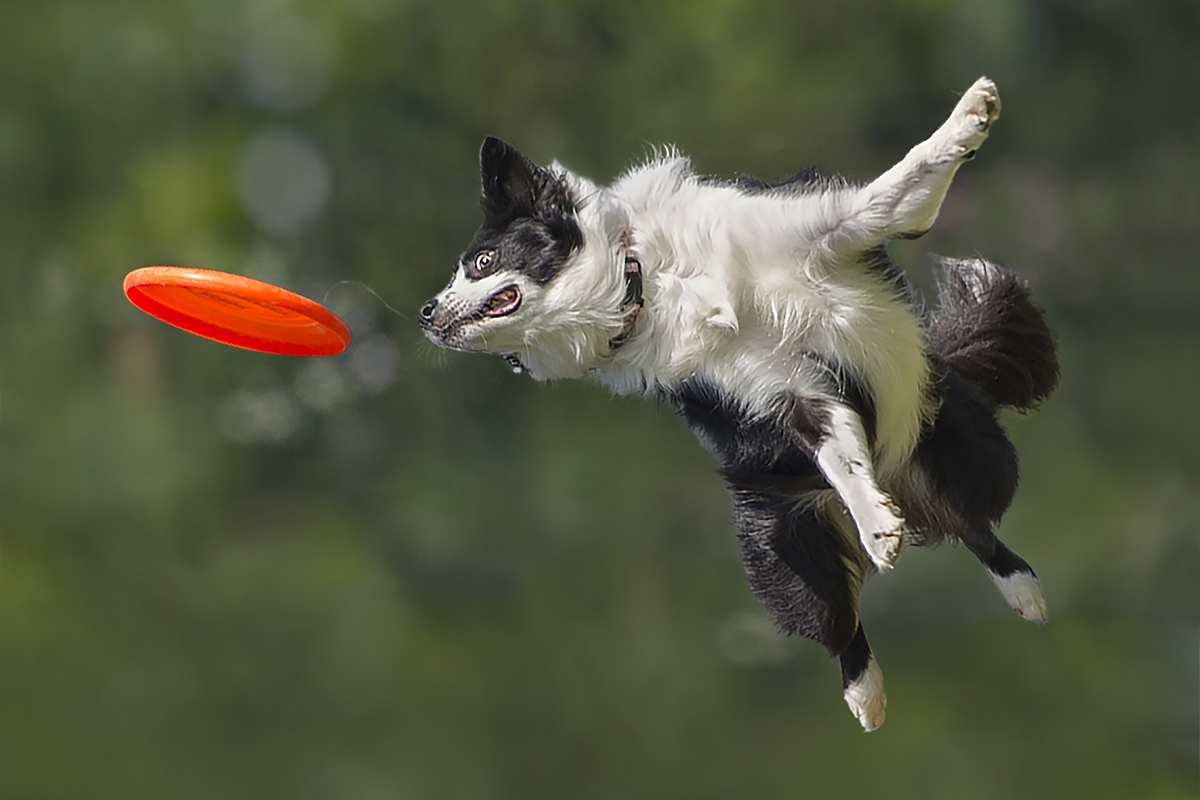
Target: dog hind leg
x=862, y=682
x=971, y=461
x=1012, y=574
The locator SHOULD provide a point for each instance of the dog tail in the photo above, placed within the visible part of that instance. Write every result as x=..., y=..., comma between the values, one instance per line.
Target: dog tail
x=988, y=329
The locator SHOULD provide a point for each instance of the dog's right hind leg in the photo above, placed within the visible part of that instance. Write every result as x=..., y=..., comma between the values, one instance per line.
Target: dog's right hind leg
x=1012, y=574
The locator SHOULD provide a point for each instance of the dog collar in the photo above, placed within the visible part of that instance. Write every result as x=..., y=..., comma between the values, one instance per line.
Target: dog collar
x=631, y=306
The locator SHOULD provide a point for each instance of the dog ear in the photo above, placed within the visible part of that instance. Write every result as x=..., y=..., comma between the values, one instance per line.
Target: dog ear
x=511, y=182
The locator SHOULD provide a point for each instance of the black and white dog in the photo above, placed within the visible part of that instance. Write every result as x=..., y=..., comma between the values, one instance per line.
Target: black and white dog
x=847, y=421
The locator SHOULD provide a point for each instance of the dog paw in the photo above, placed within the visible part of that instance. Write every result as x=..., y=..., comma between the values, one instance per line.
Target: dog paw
x=969, y=123
x=885, y=547
x=1023, y=591
x=884, y=540
x=866, y=698
x=967, y=127
x=980, y=106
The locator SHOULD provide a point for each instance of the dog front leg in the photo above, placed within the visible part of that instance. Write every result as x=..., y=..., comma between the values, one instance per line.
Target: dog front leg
x=905, y=200
x=844, y=459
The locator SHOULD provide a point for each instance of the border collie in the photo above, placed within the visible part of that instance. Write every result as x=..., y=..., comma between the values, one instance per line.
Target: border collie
x=847, y=420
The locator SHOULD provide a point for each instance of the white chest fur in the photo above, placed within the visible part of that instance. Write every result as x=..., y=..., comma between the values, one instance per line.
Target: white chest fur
x=743, y=289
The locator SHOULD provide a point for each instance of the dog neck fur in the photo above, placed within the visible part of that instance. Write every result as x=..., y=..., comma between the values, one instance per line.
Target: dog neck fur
x=584, y=301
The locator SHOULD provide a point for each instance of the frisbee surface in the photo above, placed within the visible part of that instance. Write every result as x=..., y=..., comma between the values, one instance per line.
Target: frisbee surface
x=237, y=310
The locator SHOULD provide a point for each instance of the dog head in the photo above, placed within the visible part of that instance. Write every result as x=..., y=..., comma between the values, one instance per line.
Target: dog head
x=540, y=282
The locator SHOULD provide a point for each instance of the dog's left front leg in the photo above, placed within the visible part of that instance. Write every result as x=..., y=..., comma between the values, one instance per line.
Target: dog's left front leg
x=905, y=200
x=844, y=459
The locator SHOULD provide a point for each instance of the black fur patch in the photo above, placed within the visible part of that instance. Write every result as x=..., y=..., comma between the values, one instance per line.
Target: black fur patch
x=879, y=261
x=805, y=181
x=527, y=246
x=529, y=215
x=968, y=455
x=995, y=555
x=799, y=567
x=855, y=659
x=773, y=450
x=851, y=391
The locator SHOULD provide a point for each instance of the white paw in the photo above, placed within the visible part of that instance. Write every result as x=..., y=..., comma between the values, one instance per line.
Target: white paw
x=973, y=116
x=883, y=537
x=1023, y=592
x=866, y=698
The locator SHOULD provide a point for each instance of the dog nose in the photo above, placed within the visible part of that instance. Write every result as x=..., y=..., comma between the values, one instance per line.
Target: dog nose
x=426, y=312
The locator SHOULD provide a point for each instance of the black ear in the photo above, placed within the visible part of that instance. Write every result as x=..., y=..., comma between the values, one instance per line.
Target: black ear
x=512, y=184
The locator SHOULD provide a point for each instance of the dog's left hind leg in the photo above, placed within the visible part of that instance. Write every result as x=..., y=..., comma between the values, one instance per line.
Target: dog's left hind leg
x=1012, y=574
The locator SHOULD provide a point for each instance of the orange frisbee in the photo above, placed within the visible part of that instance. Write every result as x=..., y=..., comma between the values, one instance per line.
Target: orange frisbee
x=237, y=310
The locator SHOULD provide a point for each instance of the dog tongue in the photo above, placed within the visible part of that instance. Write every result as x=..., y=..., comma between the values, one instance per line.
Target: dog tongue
x=503, y=302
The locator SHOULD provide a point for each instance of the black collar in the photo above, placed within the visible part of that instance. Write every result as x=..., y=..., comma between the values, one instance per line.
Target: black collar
x=633, y=302
x=631, y=306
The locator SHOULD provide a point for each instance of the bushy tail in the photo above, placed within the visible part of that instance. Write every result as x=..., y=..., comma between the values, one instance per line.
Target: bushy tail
x=988, y=330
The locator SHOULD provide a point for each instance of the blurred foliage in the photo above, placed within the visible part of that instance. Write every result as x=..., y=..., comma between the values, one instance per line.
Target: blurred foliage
x=403, y=573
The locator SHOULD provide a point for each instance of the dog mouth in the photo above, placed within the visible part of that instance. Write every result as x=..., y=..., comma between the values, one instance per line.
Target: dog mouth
x=502, y=303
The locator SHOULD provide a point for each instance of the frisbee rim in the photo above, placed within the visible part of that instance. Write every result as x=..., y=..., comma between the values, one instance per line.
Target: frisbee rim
x=138, y=287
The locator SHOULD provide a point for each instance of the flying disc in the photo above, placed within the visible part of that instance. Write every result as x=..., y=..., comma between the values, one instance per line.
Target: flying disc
x=237, y=310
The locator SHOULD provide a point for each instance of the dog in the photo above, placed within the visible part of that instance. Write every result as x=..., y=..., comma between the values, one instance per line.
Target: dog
x=847, y=420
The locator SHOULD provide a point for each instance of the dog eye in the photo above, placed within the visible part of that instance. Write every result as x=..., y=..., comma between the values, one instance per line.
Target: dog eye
x=485, y=260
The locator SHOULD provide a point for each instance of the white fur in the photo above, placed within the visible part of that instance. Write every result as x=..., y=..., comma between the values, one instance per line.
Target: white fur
x=1023, y=591
x=866, y=697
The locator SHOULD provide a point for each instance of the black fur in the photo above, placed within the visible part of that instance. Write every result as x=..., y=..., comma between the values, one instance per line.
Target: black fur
x=779, y=447
x=968, y=455
x=880, y=262
x=999, y=560
x=803, y=571
x=803, y=182
x=855, y=658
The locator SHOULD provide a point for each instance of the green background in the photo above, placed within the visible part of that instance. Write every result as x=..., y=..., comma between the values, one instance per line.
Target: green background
x=405, y=573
